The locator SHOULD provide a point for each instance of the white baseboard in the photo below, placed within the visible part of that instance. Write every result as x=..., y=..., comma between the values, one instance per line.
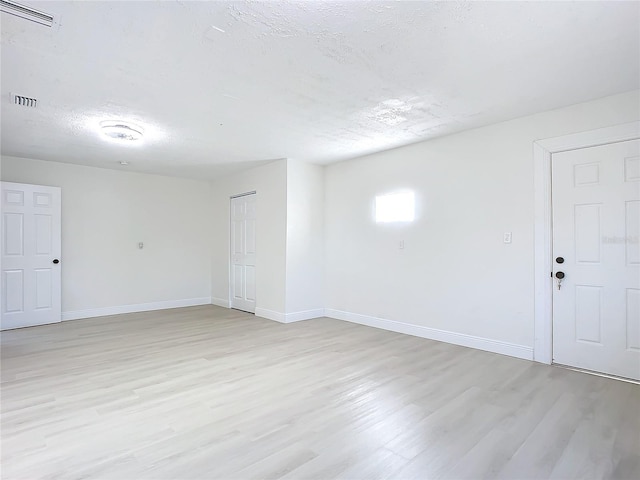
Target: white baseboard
x=140, y=307
x=221, y=302
x=270, y=315
x=289, y=317
x=481, y=343
x=304, y=315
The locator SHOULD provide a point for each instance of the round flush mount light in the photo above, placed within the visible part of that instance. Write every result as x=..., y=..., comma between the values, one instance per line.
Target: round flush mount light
x=121, y=131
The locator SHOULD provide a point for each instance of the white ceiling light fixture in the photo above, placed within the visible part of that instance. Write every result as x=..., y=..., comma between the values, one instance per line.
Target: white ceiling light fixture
x=121, y=131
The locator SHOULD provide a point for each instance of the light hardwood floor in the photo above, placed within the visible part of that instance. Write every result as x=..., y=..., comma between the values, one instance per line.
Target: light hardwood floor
x=206, y=392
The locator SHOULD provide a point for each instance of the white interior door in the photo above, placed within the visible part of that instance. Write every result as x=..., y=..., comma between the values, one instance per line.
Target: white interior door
x=596, y=230
x=243, y=253
x=31, y=246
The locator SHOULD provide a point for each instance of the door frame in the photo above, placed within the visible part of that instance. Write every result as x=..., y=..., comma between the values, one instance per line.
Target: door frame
x=230, y=267
x=543, y=283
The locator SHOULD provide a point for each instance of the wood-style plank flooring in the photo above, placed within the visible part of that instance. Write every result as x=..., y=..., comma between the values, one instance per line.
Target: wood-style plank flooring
x=212, y=393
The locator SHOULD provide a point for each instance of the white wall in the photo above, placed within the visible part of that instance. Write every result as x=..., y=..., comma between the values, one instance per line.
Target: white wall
x=455, y=274
x=105, y=213
x=305, y=232
x=455, y=280
x=270, y=183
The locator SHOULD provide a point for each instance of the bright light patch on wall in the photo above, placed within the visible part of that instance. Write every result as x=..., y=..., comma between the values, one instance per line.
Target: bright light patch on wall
x=395, y=207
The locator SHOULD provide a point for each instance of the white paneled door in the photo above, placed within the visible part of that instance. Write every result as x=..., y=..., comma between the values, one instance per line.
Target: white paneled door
x=596, y=247
x=243, y=253
x=31, y=245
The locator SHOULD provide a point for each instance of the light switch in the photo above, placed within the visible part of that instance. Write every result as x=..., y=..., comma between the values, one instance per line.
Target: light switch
x=401, y=245
x=507, y=237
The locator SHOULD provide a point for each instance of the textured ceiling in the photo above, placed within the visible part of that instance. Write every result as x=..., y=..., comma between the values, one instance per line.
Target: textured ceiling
x=224, y=85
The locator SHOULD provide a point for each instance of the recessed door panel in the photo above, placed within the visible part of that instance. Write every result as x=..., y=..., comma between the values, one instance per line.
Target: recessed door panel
x=633, y=314
x=13, y=234
x=14, y=198
x=588, y=316
x=586, y=174
x=587, y=233
x=250, y=209
x=43, y=231
x=250, y=283
x=632, y=233
x=238, y=276
x=43, y=288
x=13, y=291
x=632, y=169
x=250, y=236
x=42, y=199
x=238, y=234
x=237, y=209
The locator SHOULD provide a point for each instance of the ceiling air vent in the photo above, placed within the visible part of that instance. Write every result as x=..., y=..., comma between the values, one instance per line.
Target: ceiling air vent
x=27, y=13
x=24, y=101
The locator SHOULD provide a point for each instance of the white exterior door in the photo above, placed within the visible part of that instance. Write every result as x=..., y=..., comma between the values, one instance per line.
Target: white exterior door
x=596, y=231
x=243, y=253
x=31, y=246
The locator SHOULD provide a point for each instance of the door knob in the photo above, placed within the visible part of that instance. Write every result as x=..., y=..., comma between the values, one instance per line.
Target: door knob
x=559, y=275
x=56, y=261
x=559, y=260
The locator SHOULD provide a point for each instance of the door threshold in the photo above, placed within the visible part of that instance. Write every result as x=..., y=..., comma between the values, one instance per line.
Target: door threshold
x=597, y=374
x=244, y=311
